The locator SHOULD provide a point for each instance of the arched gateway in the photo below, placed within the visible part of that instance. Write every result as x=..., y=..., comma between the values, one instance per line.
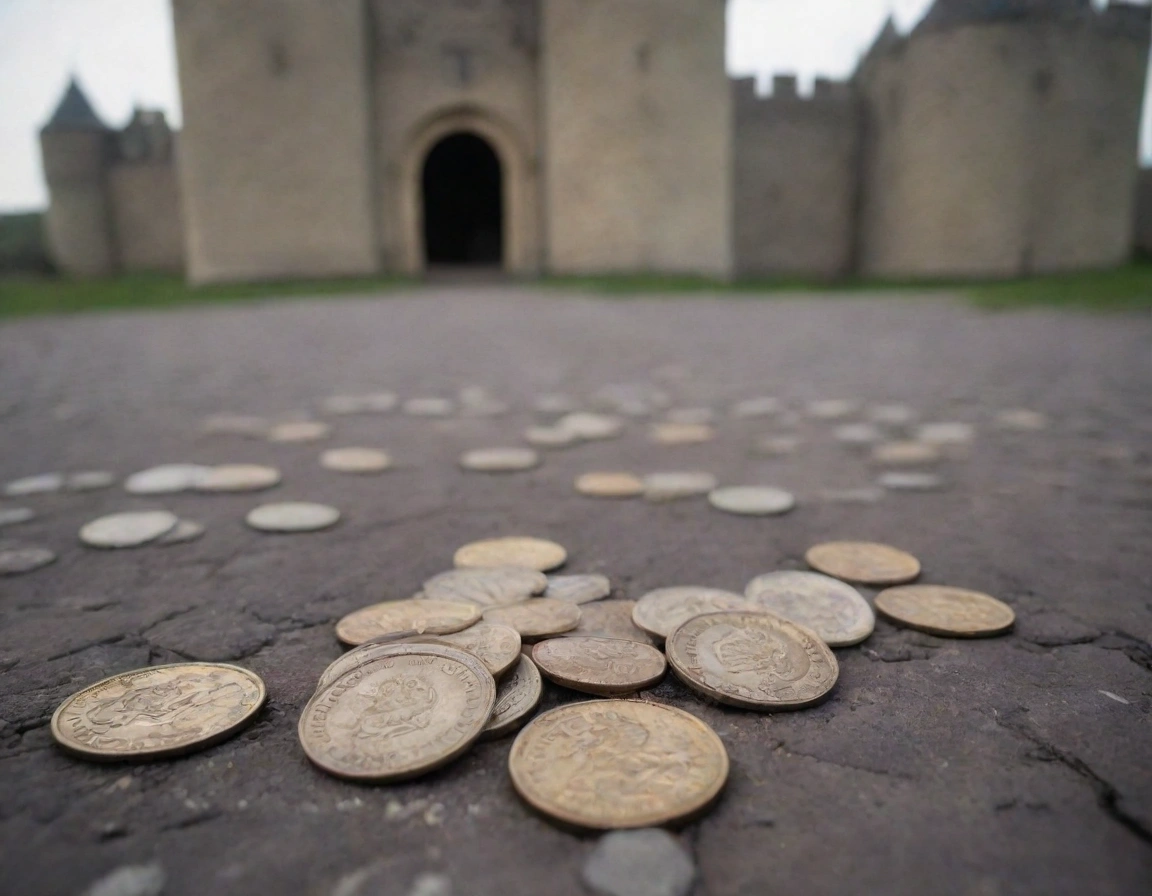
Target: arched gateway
x=462, y=203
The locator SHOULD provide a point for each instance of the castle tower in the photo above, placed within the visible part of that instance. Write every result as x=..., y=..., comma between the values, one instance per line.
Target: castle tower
x=76, y=148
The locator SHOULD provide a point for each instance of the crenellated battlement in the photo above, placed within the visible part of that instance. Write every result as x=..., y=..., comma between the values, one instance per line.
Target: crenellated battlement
x=827, y=93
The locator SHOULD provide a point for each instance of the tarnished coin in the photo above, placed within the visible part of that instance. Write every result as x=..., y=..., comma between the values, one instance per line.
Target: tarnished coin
x=16, y=560
x=578, y=589
x=609, y=619
x=831, y=408
x=673, y=486
x=550, y=437
x=539, y=618
x=425, y=617
x=89, y=480
x=517, y=695
x=752, y=660
x=863, y=562
x=836, y=611
x=512, y=550
x=238, y=478
x=355, y=460
x=949, y=433
x=499, y=460
x=184, y=531
x=662, y=611
x=907, y=453
x=609, y=764
x=910, y=482
x=496, y=646
x=160, y=711
x=752, y=500
x=428, y=407
x=10, y=516
x=589, y=426
x=670, y=433
x=412, y=709
x=609, y=485
x=167, y=479
x=40, y=484
x=292, y=516
x=127, y=530
x=300, y=431
x=946, y=611
x=604, y=666
x=490, y=586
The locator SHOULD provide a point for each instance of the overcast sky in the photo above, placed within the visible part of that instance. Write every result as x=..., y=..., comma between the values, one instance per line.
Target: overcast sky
x=123, y=54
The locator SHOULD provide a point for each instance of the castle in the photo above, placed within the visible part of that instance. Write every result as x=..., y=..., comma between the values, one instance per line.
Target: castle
x=328, y=138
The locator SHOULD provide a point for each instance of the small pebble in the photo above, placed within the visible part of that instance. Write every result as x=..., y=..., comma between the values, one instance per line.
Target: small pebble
x=130, y=880
x=15, y=561
x=646, y=862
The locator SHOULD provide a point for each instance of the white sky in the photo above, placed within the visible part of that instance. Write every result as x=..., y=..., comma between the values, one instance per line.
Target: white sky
x=122, y=52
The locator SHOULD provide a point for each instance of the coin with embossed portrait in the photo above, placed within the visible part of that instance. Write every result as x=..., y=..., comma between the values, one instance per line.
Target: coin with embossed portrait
x=662, y=611
x=833, y=609
x=159, y=711
x=607, y=667
x=863, y=562
x=752, y=660
x=946, y=611
x=539, y=618
x=517, y=695
x=512, y=550
x=610, y=764
x=490, y=586
x=431, y=617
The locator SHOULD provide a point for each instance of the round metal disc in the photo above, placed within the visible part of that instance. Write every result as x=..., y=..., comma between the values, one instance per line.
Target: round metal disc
x=292, y=516
x=355, y=460
x=426, y=617
x=531, y=553
x=517, y=696
x=538, y=618
x=836, y=611
x=238, y=478
x=863, y=562
x=946, y=611
x=752, y=500
x=500, y=460
x=489, y=586
x=578, y=589
x=602, y=666
x=167, y=479
x=127, y=530
x=609, y=485
x=664, y=610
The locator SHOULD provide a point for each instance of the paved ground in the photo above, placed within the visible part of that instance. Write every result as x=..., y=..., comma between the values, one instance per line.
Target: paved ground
x=988, y=767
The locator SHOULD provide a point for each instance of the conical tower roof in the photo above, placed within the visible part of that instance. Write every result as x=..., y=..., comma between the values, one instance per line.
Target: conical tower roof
x=75, y=113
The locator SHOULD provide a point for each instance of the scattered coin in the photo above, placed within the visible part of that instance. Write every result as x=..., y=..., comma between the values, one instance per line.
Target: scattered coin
x=184, y=531
x=42, y=483
x=752, y=500
x=300, y=431
x=486, y=586
x=776, y=446
x=10, y=516
x=127, y=530
x=159, y=711
x=167, y=479
x=681, y=433
x=690, y=416
x=1021, y=420
x=360, y=655
x=863, y=495
x=752, y=660
x=375, y=403
x=834, y=610
x=237, y=425
x=610, y=764
x=500, y=460
x=863, y=562
x=16, y=560
x=578, y=589
x=857, y=434
x=550, y=437
x=609, y=485
x=892, y=414
x=763, y=406
x=950, y=433
x=603, y=666
x=512, y=550
x=517, y=696
x=429, y=407
x=946, y=611
x=662, y=611
x=496, y=646
x=292, y=516
x=400, y=715
x=89, y=480
x=645, y=862
x=831, y=409
x=238, y=478
x=609, y=619
x=535, y=619
x=554, y=404
x=660, y=487
x=590, y=426
x=425, y=617
x=905, y=453
x=910, y=482
x=355, y=460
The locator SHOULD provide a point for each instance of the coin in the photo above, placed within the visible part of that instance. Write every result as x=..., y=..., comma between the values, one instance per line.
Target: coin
x=499, y=460
x=831, y=409
x=238, y=478
x=892, y=414
x=10, y=516
x=836, y=611
x=517, y=695
x=16, y=560
x=752, y=660
x=946, y=611
x=512, y=550
x=580, y=589
x=609, y=485
x=539, y=618
x=496, y=646
x=159, y=711
x=946, y=433
x=863, y=562
x=590, y=426
x=433, y=617
x=673, y=486
x=355, y=460
x=608, y=667
x=486, y=586
x=549, y=437
x=184, y=531
x=609, y=764
x=167, y=479
x=299, y=431
x=292, y=516
x=752, y=500
x=89, y=480
x=609, y=619
x=662, y=611
x=905, y=453
x=428, y=407
x=127, y=530
x=681, y=433
x=1021, y=420
x=857, y=434
x=42, y=483
x=412, y=709
x=910, y=482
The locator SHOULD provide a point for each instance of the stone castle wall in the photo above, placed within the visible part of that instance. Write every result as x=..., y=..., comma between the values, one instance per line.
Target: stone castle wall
x=79, y=218
x=146, y=217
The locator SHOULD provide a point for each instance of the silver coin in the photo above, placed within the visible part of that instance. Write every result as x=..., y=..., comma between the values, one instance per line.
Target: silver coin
x=10, y=516
x=664, y=610
x=355, y=460
x=517, y=696
x=16, y=560
x=300, y=431
x=550, y=437
x=536, y=619
x=429, y=407
x=166, y=479
x=660, y=487
x=292, y=516
x=89, y=480
x=609, y=619
x=238, y=478
x=499, y=460
x=949, y=433
x=40, y=484
x=127, y=530
x=590, y=426
x=834, y=610
x=752, y=500
x=831, y=409
x=911, y=482
x=489, y=586
x=578, y=589
x=185, y=531
x=762, y=406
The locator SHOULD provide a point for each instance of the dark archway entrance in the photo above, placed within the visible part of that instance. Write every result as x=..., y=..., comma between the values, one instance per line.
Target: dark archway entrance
x=463, y=203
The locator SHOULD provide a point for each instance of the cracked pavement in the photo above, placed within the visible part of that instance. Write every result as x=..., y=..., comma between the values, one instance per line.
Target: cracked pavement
x=1014, y=765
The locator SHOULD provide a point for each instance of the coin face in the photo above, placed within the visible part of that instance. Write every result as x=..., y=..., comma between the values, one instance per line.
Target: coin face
x=863, y=562
x=159, y=711
x=491, y=586
x=238, y=478
x=609, y=619
x=127, y=530
x=607, y=667
x=539, y=618
x=166, y=479
x=292, y=516
x=752, y=660
x=664, y=610
x=834, y=610
x=499, y=460
x=531, y=553
x=942, y=610
x=751, y=500
x=578, y=589
x=355, y=460
x=496, y=646
x=674, y=486
x=412, y=709
x=609, y=485
x=425, y=617
x=517, y=697
x=549, y=437
x=300, y=431
x=609, y=764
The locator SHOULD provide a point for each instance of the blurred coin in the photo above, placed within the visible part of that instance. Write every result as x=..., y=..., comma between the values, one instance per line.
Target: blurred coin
x=752, y=500
x=1021, y=420
x=763, y=406
x=238, y=478
x=578, y=589
x=905, y=453
x=752, y=660
x=237, y=425
x=834, y=610
x=776, y=446
x=10, y=516
x=949, y=433
x=160, y=711
x=549, y=437
x=16, y=560
x=857, y=434
x=863, y=495
x=355, y=460
x=89, y=480
x=375, y=403
x=499, y=460
x=609, y=485
x=610, y=764
x=659, y=487
x=831, y=409
x=609, y=619
x=517, y=696
x=486, y=586
x=292, y=516
x=910, y=482
x=662, y=611
x=166, y=479
x=863, y=562
x=127, y=530
x=535, y=619
x=681, y=433
x=429, y=407
x=300, y=431
x=590, y=426
x=891, y=414
x=512, y=550
x=184, y=531
x=42, y=483
x=603, y=666
x=424, y=617
x=946, y=611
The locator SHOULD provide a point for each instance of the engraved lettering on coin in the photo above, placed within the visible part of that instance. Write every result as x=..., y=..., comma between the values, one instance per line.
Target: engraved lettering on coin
x=355, y=460
x=539, y=618
x=946, y=611
x=603, y=666
x=292, y=516
x=609, y=485
x=517, y=697
x=127, y=530
x=662, y=611
x=238, y=478
x=531, y=553
x=578, y=589
x=433, y=617
x=486, y=586
x=834, y=610
x=609, y=619
x=863, y=562
x=496, y=646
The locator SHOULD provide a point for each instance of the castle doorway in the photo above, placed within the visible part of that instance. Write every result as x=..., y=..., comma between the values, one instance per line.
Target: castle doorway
x=462, y=191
